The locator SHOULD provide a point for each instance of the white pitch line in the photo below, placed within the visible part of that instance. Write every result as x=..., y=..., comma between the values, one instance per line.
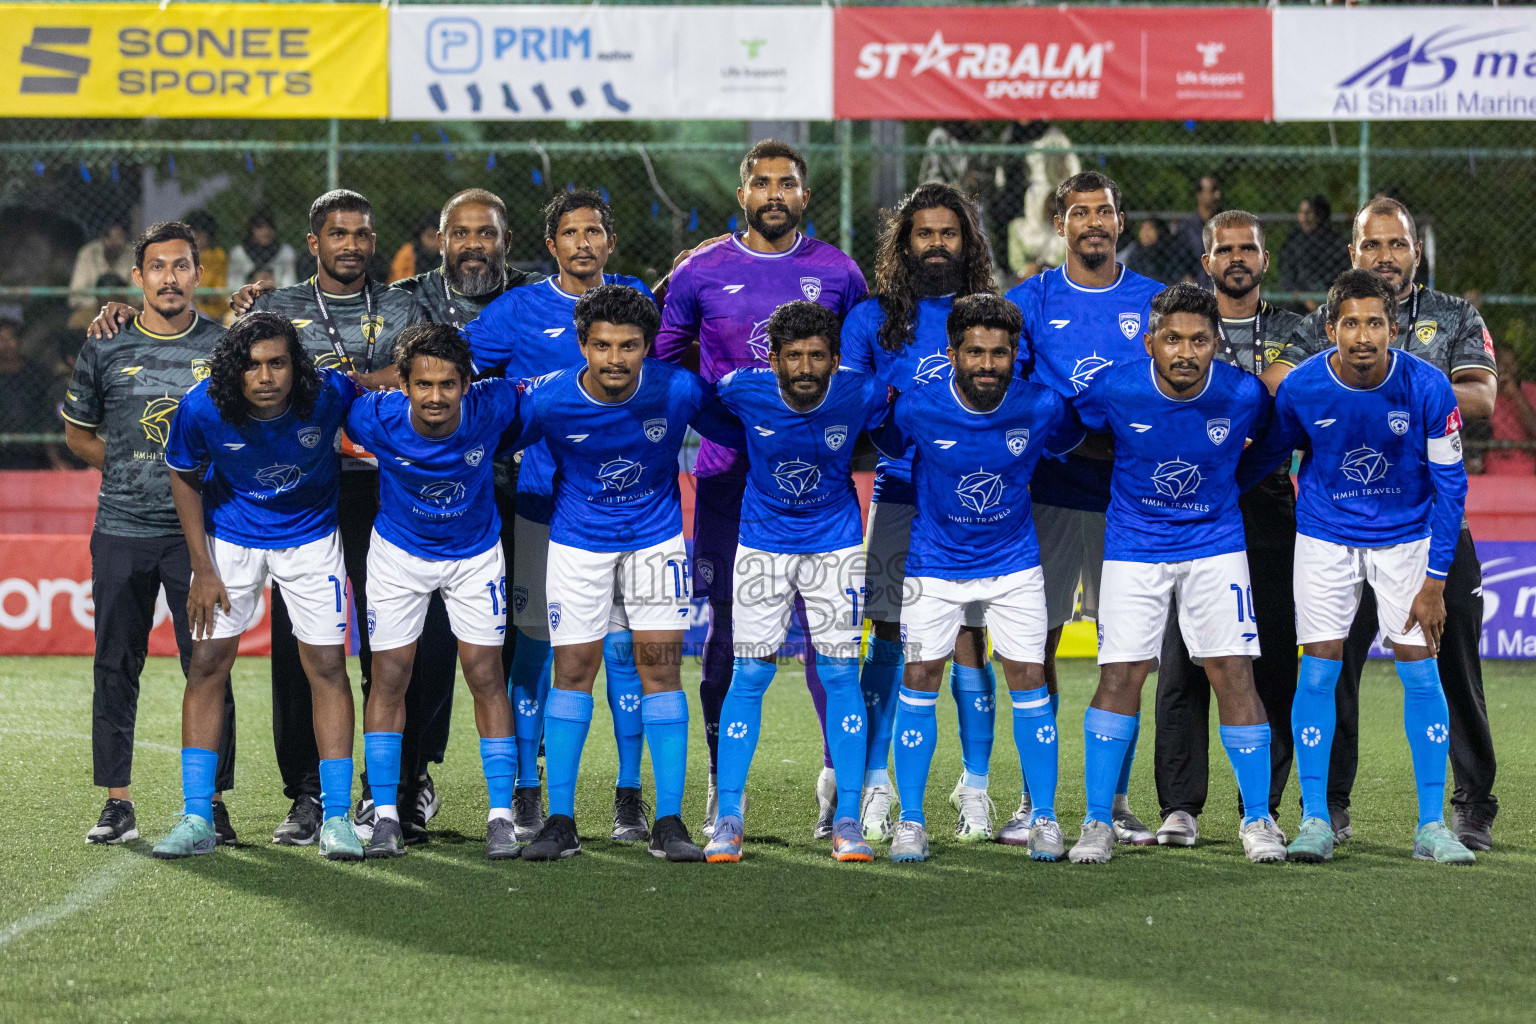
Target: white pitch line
x=92, y=889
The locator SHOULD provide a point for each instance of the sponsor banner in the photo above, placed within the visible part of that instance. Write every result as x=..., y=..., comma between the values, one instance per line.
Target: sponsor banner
x=1078, y=63
x=595, y=63
x=1405, y=63
x=194, y=60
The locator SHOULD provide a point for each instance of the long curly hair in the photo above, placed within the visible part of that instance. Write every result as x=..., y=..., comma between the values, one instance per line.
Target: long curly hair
x=232, y=357
x=893, y=275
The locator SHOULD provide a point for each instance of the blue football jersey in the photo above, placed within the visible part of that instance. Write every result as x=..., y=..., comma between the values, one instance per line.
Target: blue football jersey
x=972, y=471
x=800, y=496
x=1384, y=465
x=616, y=463
x=270, y=483
x=922, y=360
x=436, y=493
x=1070, y=334
x=1173, y=493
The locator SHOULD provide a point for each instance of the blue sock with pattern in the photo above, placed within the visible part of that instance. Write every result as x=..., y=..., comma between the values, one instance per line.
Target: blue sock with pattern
x=336, y=785
x=666, y=732
x=567, y=718
x=498, y=759
x=1427, y=720
x=528, y=682
x=845, y=730
x=741, y=721
x=622, y=684
x=1034, y=733
x=975, y=692
x=879, y=678
x=1105, y=736
x=916, y=732
x=1248, y=749
x=1123, y=781
x=381, y=752
x=197, y=770
x=1313, y=716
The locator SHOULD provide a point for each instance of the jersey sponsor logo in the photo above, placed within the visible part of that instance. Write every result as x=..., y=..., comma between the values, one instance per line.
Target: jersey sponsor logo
x=1364, y=465
x=732, y=289
x=810, y=287
x=554, y=332
x=300, y=325
x=234, y=446
x=980, y=491
x=1453, y=420
x=1397, y=419
x=1141, y=428
x=1425, y=331
x=1017, y=441
x=946, y=445
x=201, y=368
x=1058, y=324
x=932, y=368
x=1130, y=325
x=655, y=429
x=443, y=493
x=156, y=420
x=309, y=437
x=1330, y=421
x=836, y=436
x=619, y=474
x=474, y=455
x=1085, y=369
x=130, y=370
x=578, y=438
x=1176, y=479
x=764, y=431
x=279, y=478
x=554, y=615
x=1217, y=429
x=797, y=477
x=757, y=343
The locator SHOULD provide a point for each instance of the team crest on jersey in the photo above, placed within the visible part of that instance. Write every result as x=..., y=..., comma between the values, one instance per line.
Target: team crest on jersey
x=519, y=599
x=1085, y=369
x=443, y=493
x=373, y=326
x=554, y=615
x=1017, y=440
x=1425, y=331
x=1176, y=479
x=810, y=287
x=201, y=368
x=309, y=437
x=1217, y=429
x=1130, y=325
x=156, y=420
x=797, y=477
x=474, y=455
x=932, y=368
x=1364, y=465
x=836, y=436
x=1397, y=419
x=619, y=474
x=980, y=491
x=655, y=429
x=279, y=478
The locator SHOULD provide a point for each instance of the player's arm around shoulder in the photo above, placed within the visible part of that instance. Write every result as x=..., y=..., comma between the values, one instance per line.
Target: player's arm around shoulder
x=893, y=435
x=1064, y=429
x=492, y=335
x=711, y=416
x=1305, y=340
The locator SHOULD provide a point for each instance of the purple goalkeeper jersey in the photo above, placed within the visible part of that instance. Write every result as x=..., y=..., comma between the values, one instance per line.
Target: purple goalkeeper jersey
x=724, y=295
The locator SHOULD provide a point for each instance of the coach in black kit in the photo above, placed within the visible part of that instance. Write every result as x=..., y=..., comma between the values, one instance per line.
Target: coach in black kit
x=1252, y=335
x=1448, y=332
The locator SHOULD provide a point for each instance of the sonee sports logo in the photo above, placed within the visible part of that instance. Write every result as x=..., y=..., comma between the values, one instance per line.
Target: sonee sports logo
x=73, y=68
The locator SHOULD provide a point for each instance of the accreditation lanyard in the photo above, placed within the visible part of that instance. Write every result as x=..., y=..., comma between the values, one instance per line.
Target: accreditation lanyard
x=453, y=307
x=1258, y=340
x=370, y=329
x=1413, y=314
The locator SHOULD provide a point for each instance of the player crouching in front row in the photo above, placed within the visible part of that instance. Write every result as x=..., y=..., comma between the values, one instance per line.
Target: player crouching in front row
x=263, y=425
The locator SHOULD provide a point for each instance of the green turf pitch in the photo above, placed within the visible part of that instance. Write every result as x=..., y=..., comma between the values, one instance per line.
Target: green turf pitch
x=268, y=933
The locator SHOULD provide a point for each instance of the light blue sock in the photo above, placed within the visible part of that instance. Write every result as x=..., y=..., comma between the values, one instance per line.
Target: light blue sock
x=665, y=717
x=381, y=750
x=1312, y=722
x=1105, y=735
x=846, y=729
x=1123, y=782
x=879, y=678
x=197, y=768
x=1055, y=716
x=1427, y=720
x=916, y=732
x=567, y=717
x=975, y=691
x=336, y=786
x=741, y=722
x=622, y=685
x=1034, y=733
x=1248, y=750
x=498, y=758
x=528, y=686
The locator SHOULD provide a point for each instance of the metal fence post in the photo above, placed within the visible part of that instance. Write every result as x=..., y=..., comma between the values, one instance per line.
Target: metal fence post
x=333, y=156
x=1363, y=185
x=845, y=186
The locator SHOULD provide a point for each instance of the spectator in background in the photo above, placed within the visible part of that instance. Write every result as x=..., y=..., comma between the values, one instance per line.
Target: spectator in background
x=1313, y=255
x=215, y=265
x=1033, y=244
x=421, y=254
x=28, y=405
x=1160, y=254
x=262, y=249
x=1209, y=201
x=1514, y=419
x=104, y=262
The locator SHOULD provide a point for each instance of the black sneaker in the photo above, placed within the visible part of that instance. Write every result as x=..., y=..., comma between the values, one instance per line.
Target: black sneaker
x=363, y=817
x=555, y=841
x=500, y=841
x=386, y=841
x=1473, y=826
x=116, y=824
x=302, y=826
x=629, y=814
x=413, y=820
x=427, y=800
x=1338, y=817
x=221, y=825
x=527, y=812
x=670, y=839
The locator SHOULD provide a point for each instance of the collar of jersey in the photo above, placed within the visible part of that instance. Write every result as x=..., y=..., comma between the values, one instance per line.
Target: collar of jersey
x=553, y=278
x=1152, y=373
x=332, y=295
x=955, y=394
x=138, y=325
x=1328, y=365
x=769, y=255
x=1119, y=276
x=610, y=405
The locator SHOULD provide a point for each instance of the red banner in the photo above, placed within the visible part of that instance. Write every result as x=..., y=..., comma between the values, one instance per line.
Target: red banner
x=1012, y=63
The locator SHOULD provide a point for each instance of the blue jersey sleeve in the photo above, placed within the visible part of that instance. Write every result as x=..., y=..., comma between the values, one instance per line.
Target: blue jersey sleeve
x=892, y=437
x=363, y=420
x=1273, y=443
x=1068, y=432
x=1448, y=473
x=490, y=334
x=347, y=390
x=857, y=348
x=1092, y=405
x=877, y=402
x=1024, y=296
x=714, y=420
x=186, y=449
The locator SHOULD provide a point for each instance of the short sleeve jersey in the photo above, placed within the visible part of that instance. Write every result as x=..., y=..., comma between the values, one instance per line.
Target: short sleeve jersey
x=367, y=339
x=270, y=483
x=131, y=385
x=1444, y=330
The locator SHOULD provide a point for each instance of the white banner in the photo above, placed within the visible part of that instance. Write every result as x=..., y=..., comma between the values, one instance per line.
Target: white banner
x=1405, y=63
x=594, y=63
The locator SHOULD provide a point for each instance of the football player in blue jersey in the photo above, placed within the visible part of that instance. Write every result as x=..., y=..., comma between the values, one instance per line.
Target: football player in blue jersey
x=437, y=531
x=800, y=535
x=931, y=253
x=614, y=425
x=976, y=440
x=255, y=479
x=1382, y=489
x=527, y=333
x=1087, y=315
x=1175, y=533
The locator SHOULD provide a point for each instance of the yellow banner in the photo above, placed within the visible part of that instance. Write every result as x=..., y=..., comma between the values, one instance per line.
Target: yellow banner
x=194, y=60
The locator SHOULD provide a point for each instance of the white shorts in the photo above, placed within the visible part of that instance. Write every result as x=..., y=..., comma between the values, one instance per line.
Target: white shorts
x=1327, y=586
x=400, y=584
x=888, y=536
x=592, y=593
x=1215, y=608
x=1013, y=610
x=313, y=578
x=1071, y=553
x=831, y=584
